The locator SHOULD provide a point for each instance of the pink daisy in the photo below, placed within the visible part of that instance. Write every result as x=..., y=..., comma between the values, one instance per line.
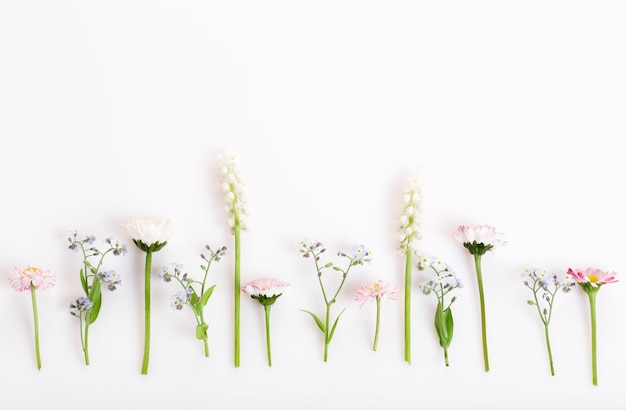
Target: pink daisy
x=592, y=276
x=266, y=287
x=376, y=290
x=22, y=279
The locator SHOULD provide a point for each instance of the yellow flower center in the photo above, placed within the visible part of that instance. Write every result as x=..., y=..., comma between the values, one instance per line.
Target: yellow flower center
x=593, y=278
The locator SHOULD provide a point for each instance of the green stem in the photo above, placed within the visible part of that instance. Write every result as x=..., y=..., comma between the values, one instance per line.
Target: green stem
x=326, y=332
x=549, y=349
x=206, y=347
x=237, y=290
x=85, y=341
x=82, y=338
x=146, y=344
x=267, y=334
x=445, y=356
x=377, y=324
x=200, y=321
x=592, y=304
x=483, y=319
x=36, y=319
x=407, y=304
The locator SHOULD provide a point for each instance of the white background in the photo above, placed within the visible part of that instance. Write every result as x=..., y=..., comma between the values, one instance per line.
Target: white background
x=513, y=112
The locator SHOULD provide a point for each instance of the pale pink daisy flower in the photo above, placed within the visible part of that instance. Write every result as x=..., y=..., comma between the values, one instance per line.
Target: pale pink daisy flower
x=38, y=278
x=32, y=278
x=590, y=280
x=593, y=276
x=480, y=234
x=376, y=290
x=266, y=291
x=266, y=287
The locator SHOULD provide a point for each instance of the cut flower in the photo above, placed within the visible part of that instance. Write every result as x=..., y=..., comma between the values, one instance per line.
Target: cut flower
x=590, y=280
x=32, y=278
x=592, y=276
x=479, y=239
x=40, y=279
x=376, y=291
x=148, y=233
x=266, y=291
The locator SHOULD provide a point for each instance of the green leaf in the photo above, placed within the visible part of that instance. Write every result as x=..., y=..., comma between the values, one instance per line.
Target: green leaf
x=337, y=268
x=206, y=295
x=332, y=331
x=201, y=331
x=444, y=324
x=319, y=322
x=95, y=295
x=531, y=303
x=83, y=281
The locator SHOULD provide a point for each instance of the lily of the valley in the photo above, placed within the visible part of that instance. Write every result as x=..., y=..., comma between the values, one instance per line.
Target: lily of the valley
x=409, y=227
x=233, y=196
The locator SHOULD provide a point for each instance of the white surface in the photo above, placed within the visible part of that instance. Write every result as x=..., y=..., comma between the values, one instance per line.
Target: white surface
x=513, y=111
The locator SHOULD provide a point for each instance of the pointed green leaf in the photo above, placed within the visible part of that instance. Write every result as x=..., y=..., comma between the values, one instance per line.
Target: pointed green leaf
x=319, y=322
x=201, y=331
x=444, y=324
x=332, y=331
x=95, y=295
x=206, y=295
x=83, y=281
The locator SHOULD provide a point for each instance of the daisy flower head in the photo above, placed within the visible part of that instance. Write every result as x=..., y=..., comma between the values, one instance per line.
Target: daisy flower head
x=479, y=239
x=265, y=290
x=150, y=234
x=378, y=290
x=593, y=277
x=38, y=278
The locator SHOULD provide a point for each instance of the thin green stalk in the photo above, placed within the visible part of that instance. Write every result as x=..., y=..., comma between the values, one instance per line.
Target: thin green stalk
x=549, y=350
x=407, y=304
x=199, y=321
x=36, y=319
x=441, y=296
x=326, y=332
x=237, y=290
x=377, y=324
x=545, y=319
x=85, y=341
x=483, y=319
x=146, y=344
x=592, y=304
x=267, y=334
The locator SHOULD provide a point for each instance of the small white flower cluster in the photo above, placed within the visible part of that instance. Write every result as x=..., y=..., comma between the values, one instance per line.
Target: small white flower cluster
x=411, y=218
x=233, y=193
x=443, y=278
